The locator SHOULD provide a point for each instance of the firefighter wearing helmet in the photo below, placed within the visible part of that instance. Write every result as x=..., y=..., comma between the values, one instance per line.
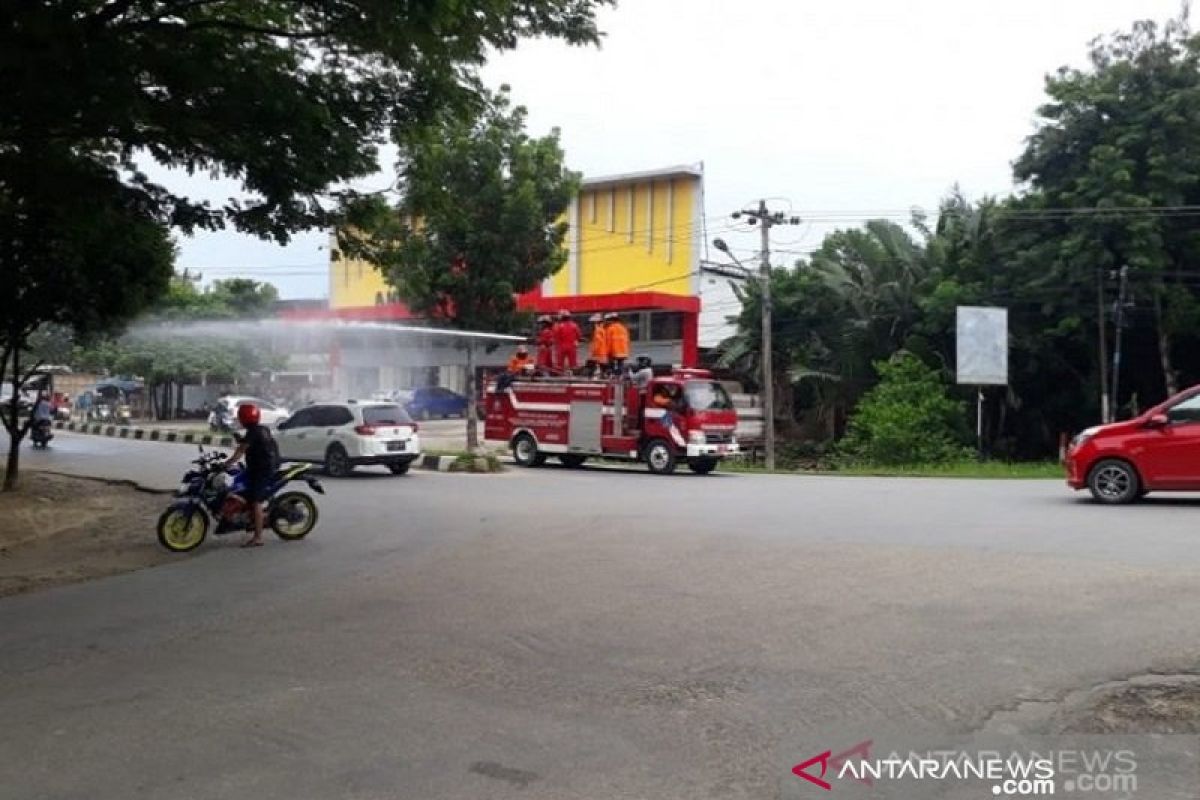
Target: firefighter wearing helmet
x=517, y=363
x=545, y=343
x=597, y=362
x=258, y=447
x=618, y=342
x=566, y=342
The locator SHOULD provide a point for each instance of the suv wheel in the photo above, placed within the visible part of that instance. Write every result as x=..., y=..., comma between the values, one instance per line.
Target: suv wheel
x=337, y=463
x=1114, y=482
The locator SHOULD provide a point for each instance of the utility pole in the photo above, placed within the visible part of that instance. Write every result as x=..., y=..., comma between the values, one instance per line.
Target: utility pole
x=1119, y=323
x=767, y=220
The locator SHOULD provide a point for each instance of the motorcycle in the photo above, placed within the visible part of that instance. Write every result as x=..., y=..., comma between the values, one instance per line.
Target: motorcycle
x=40, y=434
x=211, y=492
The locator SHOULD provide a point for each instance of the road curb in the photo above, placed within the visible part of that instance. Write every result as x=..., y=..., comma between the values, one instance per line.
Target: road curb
x=427, y=462
x=145, y=434
x=435, y=463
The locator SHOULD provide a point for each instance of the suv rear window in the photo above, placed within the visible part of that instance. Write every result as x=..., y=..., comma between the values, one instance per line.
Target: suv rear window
x=385, y=415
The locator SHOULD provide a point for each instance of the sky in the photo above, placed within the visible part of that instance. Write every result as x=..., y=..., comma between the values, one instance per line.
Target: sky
x=860, y=107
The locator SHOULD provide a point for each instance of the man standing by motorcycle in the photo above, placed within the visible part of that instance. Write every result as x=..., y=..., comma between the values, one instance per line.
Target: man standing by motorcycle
x=258, y=446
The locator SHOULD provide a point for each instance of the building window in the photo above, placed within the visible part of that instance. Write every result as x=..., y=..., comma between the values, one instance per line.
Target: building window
x=666, y=326
x=634, y=323
x=612, y=210
x=379, y=298
x=592, y=207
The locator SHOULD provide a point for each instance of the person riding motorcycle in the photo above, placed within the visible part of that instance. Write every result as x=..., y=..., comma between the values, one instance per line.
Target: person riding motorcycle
x=258, y=446
x=41, y=420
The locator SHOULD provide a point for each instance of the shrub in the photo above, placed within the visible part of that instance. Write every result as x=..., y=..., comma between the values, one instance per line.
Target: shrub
x=907, y=418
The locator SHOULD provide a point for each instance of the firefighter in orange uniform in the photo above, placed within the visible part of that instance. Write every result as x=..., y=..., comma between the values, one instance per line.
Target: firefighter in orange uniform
x=566, y=340
x=598, y=354
x=545, y=343
x=618, y=342
x=517, y=363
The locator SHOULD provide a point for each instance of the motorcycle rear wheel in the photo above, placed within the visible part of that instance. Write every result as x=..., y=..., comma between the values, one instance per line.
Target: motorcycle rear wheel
x=292, y=515
x=178, y=533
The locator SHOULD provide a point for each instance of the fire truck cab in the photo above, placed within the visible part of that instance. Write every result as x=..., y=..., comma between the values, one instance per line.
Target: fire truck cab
x=683, y=415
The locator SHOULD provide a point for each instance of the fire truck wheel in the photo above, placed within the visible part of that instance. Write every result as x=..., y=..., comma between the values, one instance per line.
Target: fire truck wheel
x=572, y=460
x=659, y=457
x=525, y=451
x=702, y=466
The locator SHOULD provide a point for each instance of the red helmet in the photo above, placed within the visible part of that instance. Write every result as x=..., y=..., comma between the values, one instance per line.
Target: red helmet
x=248, y=414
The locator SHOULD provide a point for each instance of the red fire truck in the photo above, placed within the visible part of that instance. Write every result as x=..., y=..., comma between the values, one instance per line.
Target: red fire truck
x=681, y=415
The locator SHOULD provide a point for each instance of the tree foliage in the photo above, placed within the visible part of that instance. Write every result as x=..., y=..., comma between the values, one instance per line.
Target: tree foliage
x=906, y=418
x=481, y=219
x=77, y=249
x=286, y=96
x=1111, y=177
x=1122, y=140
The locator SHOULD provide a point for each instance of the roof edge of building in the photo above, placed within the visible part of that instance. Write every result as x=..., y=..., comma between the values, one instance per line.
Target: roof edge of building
x=677, y=171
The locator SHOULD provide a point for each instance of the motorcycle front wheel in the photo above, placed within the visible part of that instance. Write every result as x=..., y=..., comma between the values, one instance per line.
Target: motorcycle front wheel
x=292, y=515
x=179, y=531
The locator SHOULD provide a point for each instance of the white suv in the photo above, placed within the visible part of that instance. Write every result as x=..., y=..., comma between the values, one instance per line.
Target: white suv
x=345, y=435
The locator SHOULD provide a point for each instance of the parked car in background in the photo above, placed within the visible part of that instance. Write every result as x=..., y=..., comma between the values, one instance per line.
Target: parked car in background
x=435, y=401
x=223, y=417
x=399, y=396
x=1158, y=451
x=343, y=436
x=25, y=397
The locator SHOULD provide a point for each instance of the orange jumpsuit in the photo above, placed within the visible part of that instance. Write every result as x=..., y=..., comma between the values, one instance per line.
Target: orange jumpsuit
x=618, y=342
x=599, y=351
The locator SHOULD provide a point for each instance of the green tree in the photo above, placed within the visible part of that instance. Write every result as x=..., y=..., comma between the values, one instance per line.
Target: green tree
x=907, y=418
x=287, y=96
x=1120, y=141
x=855, y=301
x=481, y=221
x=224, y=299
x=76, y=250
x=166, y=358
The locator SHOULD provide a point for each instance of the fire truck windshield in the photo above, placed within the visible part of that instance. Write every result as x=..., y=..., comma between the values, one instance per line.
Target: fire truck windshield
x=706, y=396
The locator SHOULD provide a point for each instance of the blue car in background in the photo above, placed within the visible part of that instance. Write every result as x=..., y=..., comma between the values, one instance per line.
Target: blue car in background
x=435, y=401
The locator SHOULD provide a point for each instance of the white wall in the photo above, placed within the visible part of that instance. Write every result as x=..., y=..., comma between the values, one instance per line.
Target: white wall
x=717, y=302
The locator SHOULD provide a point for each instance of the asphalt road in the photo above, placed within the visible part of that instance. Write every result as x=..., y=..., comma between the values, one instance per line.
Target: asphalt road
x=577, y=634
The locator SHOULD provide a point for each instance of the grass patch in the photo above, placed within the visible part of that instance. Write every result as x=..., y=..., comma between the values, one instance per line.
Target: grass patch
x=1023, y=470
x=465, y=462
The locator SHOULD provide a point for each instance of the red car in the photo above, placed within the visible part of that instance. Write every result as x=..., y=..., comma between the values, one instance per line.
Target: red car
x=1158, y=451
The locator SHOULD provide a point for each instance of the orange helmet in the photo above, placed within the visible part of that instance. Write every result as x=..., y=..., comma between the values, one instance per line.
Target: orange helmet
x=248, y=414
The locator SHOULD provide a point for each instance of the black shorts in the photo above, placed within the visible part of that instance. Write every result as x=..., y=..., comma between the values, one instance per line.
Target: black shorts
x=256, y=489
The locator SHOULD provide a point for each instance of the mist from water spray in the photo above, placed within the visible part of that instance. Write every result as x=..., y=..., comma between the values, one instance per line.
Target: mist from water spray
x=323, y=347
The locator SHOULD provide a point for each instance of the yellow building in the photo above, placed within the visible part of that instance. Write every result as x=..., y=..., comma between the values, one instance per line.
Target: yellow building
x=634, y=232
x=633, y=247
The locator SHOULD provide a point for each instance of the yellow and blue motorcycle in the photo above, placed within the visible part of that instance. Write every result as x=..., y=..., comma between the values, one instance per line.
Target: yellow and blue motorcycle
x=211, y=492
